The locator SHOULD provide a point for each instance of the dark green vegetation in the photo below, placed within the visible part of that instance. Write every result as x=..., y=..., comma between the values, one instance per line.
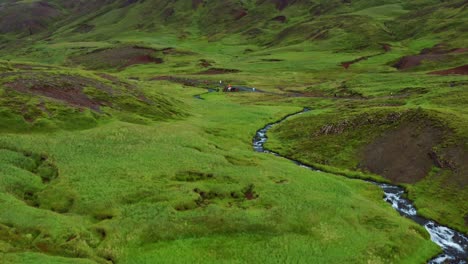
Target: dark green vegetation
x=106, y=156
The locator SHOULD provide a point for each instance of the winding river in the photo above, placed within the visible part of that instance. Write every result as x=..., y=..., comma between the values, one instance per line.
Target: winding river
x=454, y=244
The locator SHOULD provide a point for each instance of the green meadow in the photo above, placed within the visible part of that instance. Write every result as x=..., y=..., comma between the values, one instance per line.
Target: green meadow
x=176, y=191
x=113, y=151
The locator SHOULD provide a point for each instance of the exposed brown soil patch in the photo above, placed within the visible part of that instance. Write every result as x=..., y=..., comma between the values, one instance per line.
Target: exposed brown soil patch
x=403, y=155
x=249, y=192
x=249, y=196
x=272, y=60
x=143, y=59
x=213, y=71
x=462, y=70
x=436, y=53
x=386, y=47
x=462, y=50
x=71, y=95
x=117, y=57
x=66, y=88
x=408, y=62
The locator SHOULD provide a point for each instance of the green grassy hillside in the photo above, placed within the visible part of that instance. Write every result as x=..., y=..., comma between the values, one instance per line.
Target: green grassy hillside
x=106, y=156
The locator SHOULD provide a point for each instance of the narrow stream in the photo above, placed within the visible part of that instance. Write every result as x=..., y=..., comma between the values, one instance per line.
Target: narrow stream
x=453, y=243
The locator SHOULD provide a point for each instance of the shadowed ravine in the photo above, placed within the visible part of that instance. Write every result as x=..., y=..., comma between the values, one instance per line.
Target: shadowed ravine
x=453, y=243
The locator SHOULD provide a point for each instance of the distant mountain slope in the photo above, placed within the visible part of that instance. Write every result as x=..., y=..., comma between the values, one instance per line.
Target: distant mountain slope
x=357, y=24
x=27, y=18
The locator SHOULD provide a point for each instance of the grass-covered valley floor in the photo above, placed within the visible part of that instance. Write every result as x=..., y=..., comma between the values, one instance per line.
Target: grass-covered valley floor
x=188, y=190
x=112, y=151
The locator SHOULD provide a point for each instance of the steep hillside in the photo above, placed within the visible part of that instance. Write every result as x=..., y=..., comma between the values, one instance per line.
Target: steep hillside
x=358, y=24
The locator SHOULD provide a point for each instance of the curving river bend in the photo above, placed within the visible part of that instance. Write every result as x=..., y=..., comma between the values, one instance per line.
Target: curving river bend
x=453, y=243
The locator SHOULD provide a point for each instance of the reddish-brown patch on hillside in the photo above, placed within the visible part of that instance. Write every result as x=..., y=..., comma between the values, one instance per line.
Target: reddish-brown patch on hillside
x=213, y=71
x=408, y=62
x=143, y=59
x=403, y=154
x=119, y=58
x=461, y=50
x=386, y=47
x=346, y=64
x=272, y=60
x=462, y=70
x=72, y=95
x=436, y=53
x=65, y=88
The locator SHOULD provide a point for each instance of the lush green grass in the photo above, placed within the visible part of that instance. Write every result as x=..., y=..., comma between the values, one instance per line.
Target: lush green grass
x=129, y=180
x=158, y=176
